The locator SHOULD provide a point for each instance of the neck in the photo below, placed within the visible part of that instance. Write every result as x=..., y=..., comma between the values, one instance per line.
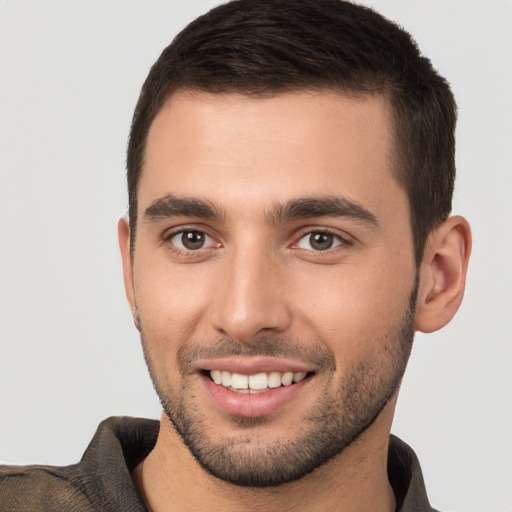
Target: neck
x=170, y=479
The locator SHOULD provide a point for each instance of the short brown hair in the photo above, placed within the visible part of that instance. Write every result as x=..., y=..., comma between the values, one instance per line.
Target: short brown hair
x=266, y=47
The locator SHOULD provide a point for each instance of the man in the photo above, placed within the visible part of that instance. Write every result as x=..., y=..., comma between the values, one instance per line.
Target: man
x=290, y=173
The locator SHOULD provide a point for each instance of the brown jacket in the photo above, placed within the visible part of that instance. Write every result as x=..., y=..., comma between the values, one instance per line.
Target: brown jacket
x=102, y=480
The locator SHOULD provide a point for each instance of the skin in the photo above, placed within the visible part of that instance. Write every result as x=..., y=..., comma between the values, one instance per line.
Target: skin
x=258, y=277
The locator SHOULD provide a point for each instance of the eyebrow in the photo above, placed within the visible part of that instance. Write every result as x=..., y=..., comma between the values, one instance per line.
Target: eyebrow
x=323, y=206
x=304, y=207
x=173, y=206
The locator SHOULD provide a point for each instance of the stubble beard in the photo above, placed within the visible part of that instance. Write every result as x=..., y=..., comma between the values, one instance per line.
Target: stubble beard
x=329, y=427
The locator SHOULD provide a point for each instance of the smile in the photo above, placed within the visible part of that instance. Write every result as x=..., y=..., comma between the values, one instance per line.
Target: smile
x=256, y=383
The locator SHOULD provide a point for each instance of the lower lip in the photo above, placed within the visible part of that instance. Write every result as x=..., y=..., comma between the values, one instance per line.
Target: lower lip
x=253, y=404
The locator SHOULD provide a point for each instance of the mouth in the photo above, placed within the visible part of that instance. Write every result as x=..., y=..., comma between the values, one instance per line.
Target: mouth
x=256, y=383
x=255, y=388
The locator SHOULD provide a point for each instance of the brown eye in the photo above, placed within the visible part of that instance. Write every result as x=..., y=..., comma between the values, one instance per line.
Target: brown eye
x=319, y=241
x=191, y=240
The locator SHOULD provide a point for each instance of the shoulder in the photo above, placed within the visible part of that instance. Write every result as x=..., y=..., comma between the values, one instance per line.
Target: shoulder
x=42, y=488
x=100, y=481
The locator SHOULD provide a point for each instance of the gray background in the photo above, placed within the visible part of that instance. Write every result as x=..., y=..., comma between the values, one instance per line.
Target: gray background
x=70, y=72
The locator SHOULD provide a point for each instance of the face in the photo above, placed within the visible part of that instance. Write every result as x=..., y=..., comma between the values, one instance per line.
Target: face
x=273, y=277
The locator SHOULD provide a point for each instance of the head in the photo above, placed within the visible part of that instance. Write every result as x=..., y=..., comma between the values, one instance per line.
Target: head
x=290, y=171
x=265, y=47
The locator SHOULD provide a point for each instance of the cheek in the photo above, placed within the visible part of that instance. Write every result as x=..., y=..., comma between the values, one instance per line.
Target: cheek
x=170, y=301
x=351, y=309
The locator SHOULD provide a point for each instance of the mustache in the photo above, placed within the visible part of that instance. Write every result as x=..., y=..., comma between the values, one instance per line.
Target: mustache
x=265, y=346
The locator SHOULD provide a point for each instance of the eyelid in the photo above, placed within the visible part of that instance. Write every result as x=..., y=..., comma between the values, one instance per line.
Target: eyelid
x=169, y=234
x=344, y=238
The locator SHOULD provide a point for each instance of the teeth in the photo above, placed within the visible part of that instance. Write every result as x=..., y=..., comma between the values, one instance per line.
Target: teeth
x=216, y=376
x=226, y=379
x=256, y=382
x=274, y=380
x=297, y=377
x=239, y=381
x=287, y=378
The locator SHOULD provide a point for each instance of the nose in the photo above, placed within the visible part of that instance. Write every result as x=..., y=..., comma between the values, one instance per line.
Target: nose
x=251, y=297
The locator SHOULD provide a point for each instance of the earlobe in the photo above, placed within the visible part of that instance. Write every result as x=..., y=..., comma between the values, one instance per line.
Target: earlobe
x=123, y=232
x=443, y=274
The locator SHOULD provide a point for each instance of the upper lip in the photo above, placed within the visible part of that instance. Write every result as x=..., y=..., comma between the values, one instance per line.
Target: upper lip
x=254, y=365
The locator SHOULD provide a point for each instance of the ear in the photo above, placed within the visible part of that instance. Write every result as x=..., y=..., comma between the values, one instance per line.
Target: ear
x=443, y=274
x=123, y=233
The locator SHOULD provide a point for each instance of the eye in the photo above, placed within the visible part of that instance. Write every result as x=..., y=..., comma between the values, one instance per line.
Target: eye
x=319, y=241
x=192, y=240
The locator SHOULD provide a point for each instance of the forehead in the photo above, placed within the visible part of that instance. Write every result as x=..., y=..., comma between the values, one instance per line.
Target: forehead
x=228, y=146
